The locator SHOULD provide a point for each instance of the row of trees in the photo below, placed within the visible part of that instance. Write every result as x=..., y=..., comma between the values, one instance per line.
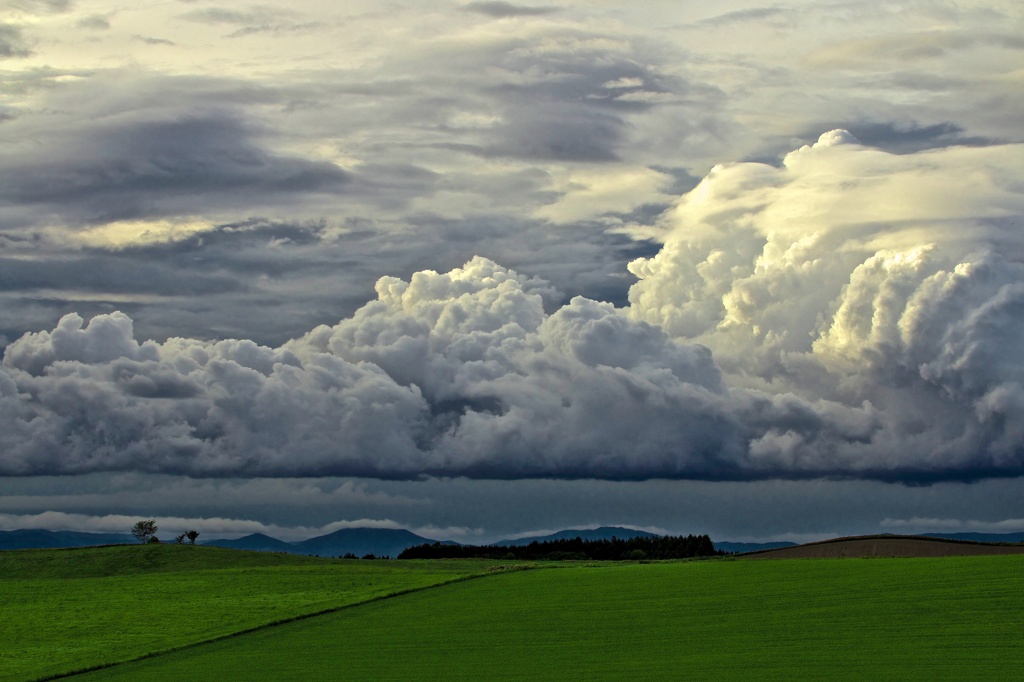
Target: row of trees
x=145, y=531
x=615, y=549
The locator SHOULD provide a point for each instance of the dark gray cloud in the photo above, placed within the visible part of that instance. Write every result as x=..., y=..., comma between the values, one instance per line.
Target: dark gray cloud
x=157, y=167
x=13, y=42
x=260, y=19
x=579, y=109
x=507, y=9
x=149, y=40
x=41, y=6
x=910, y=137
x=107, y=274
x=220, y=15
x=762, y=15
x=96, y=22
x=142, y=146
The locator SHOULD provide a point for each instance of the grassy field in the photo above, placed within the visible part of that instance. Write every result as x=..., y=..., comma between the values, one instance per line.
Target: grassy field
x=948, y=618
x=63, y=610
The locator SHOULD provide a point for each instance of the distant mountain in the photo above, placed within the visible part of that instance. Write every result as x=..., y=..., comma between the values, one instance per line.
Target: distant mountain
x=257, y=542
x=358, y=541
x=361, y=541
x=738, y=547
x=50, y=539
x=386, y=541
x=979, y=537
x=602, y=533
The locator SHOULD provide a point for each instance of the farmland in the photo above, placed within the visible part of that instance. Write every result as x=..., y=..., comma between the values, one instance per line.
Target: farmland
x=942, y=618
x=868, y=619
x=66, y=610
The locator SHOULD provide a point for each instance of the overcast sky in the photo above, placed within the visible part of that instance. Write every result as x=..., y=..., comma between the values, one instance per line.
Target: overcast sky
x=483, y=269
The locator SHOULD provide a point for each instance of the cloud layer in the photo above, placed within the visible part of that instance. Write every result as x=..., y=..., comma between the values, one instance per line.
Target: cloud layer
x=850, y=312
x=229, y=176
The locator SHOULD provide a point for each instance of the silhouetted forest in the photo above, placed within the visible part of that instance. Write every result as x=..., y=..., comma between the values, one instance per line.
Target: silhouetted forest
x=661, y=547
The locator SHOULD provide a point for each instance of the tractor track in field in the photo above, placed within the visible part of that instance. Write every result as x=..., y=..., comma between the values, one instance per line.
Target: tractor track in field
x=283, y=621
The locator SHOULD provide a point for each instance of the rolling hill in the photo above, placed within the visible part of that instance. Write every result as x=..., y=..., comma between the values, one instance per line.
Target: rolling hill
x=602, y=533
x=381, y=542
x=257, y=542
x=741, y=547
x=887, y=546
x=50, y=539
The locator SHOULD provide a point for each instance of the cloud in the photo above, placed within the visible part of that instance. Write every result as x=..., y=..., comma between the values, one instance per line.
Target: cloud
x=12, y=42
x=95, y=22
x=461, y=373
x=863, y=277
x=155, y=162
x=501, y=10
x=41, y=6
x=907, y=137
x=760, y=15
x=811, y=319
x=913, y=46
x=260, y=19
x=149, y=40
x=219, y=15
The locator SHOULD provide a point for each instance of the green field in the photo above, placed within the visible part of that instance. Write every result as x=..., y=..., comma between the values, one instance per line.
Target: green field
x=942, y=618
x=64, y=610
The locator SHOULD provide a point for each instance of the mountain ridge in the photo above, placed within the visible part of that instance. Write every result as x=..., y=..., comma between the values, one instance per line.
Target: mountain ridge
x=388, y=541
x=601, y=533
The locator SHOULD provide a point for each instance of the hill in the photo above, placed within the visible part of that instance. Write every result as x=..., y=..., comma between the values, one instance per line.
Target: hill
x=381, y=542
x=50, y=539
x=742, y=547
x=893, y=546
x=359, y=541
x=256, y=542
x=602, y=533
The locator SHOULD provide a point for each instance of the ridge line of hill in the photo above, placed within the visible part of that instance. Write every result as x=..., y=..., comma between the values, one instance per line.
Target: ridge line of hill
x=291, y=619
x=886, y=545
x=890, y=536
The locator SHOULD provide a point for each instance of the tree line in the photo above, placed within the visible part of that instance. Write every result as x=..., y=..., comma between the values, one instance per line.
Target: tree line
x=614, y=549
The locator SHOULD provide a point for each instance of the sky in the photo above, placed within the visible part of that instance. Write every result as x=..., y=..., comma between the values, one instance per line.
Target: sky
x=485, y=269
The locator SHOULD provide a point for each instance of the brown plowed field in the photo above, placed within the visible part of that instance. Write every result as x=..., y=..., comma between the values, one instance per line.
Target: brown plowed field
x=901, y=546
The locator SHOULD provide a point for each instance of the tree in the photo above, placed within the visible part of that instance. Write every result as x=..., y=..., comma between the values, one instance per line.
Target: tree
x=180, y=539
x=192, y=535
x=144, y=530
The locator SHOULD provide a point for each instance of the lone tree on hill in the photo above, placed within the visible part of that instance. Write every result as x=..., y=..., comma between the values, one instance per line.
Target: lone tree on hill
x=180, y=539
x=144, y=530
x=192, y=535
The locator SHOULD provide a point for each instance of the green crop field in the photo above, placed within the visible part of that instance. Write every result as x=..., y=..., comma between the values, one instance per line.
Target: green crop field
x=64, y=610
x=944, y=618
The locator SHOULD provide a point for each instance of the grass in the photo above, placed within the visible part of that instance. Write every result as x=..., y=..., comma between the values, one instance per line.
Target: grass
x=64, y=610
x=944, y=618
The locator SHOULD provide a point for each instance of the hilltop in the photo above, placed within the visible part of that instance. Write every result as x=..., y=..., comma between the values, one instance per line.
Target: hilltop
x=890, y=546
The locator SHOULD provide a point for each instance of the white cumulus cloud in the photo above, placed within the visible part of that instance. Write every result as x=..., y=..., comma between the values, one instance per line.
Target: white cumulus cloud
x=850, y=312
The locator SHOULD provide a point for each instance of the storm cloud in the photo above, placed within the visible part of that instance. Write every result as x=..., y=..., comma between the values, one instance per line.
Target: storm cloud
x=502, y=250
x=803, y=320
